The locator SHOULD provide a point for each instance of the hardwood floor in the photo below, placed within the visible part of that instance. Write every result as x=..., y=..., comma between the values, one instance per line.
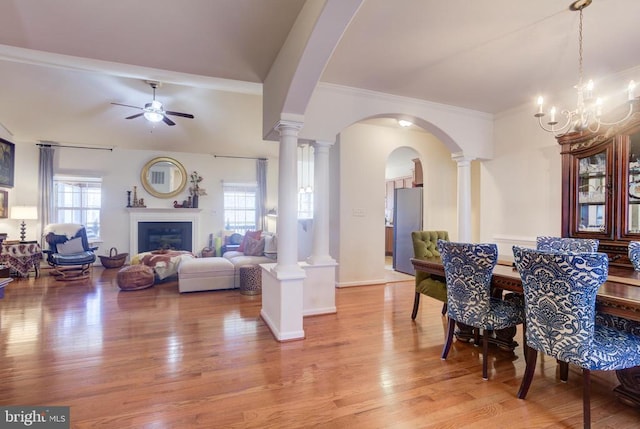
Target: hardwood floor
x=157, y=359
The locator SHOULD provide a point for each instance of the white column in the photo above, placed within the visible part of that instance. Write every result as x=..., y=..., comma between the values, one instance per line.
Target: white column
x=320, y=246
x=287, y=222
x=464, y=196
x=283, y=283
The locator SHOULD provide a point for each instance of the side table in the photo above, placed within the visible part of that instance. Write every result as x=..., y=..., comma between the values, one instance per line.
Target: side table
x=251, y=280
x=22, y=257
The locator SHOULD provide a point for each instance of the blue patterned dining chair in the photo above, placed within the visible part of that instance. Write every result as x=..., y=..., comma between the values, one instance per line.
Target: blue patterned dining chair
x=560, y=297
x=634, y=254
x=564, y=244
x=468, y=269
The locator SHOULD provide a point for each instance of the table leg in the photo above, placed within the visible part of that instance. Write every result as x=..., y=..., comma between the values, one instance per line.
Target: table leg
x=503, y=338
x=629, y=390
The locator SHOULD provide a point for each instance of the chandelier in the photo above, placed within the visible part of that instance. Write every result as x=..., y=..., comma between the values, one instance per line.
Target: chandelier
x=588, y=112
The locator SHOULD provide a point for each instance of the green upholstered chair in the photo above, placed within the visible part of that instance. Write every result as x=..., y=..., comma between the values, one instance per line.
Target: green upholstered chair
x=425, y=246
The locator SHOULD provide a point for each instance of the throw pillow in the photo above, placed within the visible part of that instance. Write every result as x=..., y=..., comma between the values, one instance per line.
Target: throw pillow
x=249, y=234
x=254, y=247
x=70, y=247
x=270, y=246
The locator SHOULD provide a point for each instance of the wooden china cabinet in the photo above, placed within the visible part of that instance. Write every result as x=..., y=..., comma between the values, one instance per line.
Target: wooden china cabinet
x=601, y=187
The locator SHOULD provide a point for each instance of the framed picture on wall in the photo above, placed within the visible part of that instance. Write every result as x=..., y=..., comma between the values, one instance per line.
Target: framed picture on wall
x=4, y=204
x=7, y=163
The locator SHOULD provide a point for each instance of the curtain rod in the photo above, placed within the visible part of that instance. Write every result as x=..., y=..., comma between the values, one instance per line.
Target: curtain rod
x=238, y=157
x=110, y=149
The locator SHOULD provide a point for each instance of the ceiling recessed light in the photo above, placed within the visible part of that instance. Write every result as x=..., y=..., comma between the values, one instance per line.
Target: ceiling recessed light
x=404, y=123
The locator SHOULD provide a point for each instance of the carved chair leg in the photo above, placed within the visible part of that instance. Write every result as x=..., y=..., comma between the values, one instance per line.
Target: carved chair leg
x=444, y=308
x=586, y=397
x=524, y=341
x=485, y=352
x=416, y=303
x=564, y=370
x=532, y=356
x=447, y=345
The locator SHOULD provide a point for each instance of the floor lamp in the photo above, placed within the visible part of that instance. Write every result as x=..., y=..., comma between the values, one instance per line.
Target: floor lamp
x=24, y=213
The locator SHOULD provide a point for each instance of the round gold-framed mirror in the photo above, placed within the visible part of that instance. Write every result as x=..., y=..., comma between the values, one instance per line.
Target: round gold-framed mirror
x=163, y=177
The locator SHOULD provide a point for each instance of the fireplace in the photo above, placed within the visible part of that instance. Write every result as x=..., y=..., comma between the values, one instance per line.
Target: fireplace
x=168, y=226
x=164, y=235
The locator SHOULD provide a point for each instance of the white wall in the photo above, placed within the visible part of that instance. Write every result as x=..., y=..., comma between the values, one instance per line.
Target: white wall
x=521, y=185
x=25, y=190
x=357, y=239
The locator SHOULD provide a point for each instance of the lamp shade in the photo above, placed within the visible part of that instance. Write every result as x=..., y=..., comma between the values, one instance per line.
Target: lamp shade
x=24, y=212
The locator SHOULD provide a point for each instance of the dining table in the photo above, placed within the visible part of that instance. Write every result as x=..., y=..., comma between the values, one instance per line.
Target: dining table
x=617, y=306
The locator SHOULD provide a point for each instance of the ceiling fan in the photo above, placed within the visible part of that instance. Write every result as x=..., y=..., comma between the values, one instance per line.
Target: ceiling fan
x=154, y=111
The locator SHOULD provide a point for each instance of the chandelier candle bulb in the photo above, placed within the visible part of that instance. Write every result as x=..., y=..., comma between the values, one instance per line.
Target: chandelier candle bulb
x=552, y=113
x=631, y=89
x=589, y=90
x=540, y=103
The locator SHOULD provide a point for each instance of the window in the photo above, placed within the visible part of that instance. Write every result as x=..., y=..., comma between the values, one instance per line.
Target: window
x=305, y=182
x=240, y=206
x=78, y=200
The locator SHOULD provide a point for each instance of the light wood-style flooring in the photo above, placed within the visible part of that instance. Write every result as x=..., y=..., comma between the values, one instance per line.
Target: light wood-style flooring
x=157, y=359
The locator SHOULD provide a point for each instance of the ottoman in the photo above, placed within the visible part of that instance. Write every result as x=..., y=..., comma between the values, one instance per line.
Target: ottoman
x=251, y=280
x=134, y=277
x=205, y=274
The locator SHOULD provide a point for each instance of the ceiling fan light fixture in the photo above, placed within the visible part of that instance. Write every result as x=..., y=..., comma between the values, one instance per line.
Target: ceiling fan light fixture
x=153, y=116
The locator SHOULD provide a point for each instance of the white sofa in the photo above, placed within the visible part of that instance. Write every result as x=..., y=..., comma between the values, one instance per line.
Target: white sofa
x=216, y=273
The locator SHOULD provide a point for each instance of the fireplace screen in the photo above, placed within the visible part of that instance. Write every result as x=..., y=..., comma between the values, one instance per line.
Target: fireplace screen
x=164, y=235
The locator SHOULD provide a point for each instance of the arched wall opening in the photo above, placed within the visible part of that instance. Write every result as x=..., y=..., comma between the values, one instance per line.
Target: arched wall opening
x=358, y=184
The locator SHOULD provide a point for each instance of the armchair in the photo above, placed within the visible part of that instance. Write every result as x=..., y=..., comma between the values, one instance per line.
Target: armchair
x=425, y=246
x=68, y=251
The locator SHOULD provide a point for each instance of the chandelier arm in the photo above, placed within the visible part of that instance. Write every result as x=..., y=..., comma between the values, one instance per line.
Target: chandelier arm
x=553, y=129
x=627, y=116
x=594, y=130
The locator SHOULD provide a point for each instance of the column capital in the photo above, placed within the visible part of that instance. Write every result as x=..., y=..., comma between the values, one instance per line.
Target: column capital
x=318, y=144
x=461, y=158
x=288, y=127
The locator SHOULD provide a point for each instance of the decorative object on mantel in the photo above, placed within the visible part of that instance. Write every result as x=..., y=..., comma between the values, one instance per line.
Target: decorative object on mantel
x=588, y=112
x=128, y=198
x=195, y=190
x=185, y=204
x=138, y=203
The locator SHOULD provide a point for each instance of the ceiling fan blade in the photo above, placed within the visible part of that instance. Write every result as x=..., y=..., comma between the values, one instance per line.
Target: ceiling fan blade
x=184, y=115
x=134, y=116
x=168, y=121
x=127, y=105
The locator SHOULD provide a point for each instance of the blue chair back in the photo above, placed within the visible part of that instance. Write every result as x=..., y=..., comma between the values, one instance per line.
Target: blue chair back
x=560, y=296
x=468, y=269
x=634, y=254
x=561, y=244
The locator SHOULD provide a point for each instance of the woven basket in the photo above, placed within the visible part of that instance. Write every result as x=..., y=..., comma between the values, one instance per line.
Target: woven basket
x=114, y=260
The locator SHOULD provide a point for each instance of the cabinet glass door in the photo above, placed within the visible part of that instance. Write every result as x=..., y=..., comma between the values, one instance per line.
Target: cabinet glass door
x=592, y=194
x=632, y=160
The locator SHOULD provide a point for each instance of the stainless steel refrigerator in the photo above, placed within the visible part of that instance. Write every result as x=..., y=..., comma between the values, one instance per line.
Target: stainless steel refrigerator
x=407, y=217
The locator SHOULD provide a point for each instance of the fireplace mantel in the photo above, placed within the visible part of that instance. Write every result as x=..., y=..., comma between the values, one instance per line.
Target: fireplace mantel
x=161, y=215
